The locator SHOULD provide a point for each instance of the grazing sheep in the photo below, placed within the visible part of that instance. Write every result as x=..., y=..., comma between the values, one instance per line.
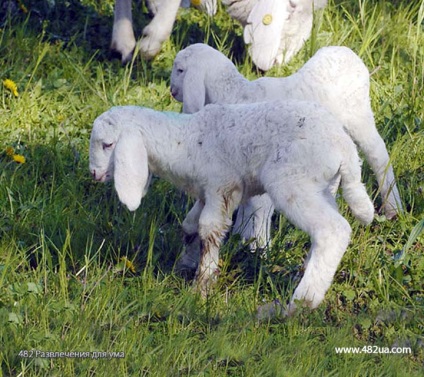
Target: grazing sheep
x=335, y=77
x=224, y=154
x=275, y=30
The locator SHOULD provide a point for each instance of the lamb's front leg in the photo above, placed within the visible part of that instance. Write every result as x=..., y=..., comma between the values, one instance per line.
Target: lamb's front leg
x=214, y=222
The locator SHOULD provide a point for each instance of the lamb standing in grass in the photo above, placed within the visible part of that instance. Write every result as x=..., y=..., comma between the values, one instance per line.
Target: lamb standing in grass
x=223, y=155
x=335, y=77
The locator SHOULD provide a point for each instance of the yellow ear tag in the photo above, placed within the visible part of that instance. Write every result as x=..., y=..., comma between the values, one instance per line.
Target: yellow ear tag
x=267, y=19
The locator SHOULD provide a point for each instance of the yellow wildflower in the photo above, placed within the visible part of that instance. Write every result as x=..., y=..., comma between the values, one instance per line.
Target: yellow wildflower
x=128, y=264
x=10, y=85
x=19, y=158
x=196, y=3
x=10, y=151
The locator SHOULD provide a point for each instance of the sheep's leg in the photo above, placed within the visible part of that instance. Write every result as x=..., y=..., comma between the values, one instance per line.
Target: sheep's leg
x=315, y=212
x=214, y=222
x=379, y=160
x=253, y=221
x=189, y=259
x=123, y=40
x=365, y=134
x=159, y=29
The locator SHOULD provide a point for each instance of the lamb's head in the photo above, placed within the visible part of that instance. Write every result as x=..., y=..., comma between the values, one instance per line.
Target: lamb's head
x=178, y=73
x=117, y=152
x=104, y=136
x=193, y=72
x=193, y=60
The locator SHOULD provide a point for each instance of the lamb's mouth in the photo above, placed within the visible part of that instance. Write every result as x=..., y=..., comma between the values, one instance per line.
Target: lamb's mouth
x=174, y=92
x=101, y=178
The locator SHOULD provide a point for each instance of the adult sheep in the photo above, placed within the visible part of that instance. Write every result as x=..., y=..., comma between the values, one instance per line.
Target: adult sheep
x=335, y=77
x=222, y=155
x=275, y=30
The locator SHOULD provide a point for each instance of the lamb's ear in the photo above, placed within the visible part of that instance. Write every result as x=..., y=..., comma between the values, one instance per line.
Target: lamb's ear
x=131, y=172
x=194, y=91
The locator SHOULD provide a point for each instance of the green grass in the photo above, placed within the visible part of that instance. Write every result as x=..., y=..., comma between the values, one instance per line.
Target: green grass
x=63, y=284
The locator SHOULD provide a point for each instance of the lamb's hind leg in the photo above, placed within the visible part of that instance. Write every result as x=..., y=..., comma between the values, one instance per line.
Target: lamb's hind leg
x=315, y=212
x=363, y=131
x=379, y=160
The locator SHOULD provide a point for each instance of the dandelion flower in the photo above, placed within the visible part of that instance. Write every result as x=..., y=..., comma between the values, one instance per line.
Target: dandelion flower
x=196, y=3
x=128, y=264
x=10, y=85
x=19, y=158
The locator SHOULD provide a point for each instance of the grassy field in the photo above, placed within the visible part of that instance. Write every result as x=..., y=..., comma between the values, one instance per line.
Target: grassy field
x=88, y=288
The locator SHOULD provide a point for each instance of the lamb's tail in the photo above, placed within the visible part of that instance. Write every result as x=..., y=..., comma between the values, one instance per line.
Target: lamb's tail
x=353, y=189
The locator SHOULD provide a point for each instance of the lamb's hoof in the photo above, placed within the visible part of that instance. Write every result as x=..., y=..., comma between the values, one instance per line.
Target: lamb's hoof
x=270, y=311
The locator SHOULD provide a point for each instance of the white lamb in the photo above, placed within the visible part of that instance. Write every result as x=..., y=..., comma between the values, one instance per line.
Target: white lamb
x=335, y=77
x=222, y=155
x=275, y=30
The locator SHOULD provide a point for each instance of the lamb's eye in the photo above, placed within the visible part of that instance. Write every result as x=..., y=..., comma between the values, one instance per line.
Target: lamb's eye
x=180, y=70
x=107, y=145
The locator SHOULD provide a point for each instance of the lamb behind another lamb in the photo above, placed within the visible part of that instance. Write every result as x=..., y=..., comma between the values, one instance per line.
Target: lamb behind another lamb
x=335, y=77
x=223, y=155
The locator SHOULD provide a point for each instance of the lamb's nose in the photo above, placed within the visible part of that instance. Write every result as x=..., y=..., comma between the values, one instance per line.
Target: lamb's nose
x=93, y=174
